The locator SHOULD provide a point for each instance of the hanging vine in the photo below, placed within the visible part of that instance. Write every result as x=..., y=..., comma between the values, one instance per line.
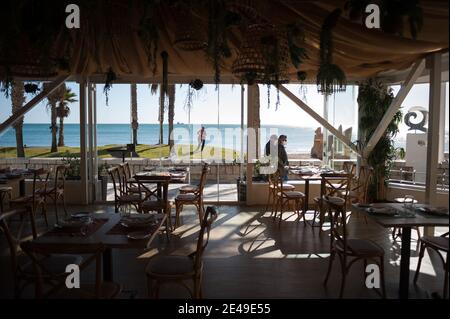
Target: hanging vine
x=330, y=77
x=110, y=78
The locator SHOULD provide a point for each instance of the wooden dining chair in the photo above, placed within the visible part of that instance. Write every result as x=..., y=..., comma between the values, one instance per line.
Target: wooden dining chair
x=274, y=188
x=22, y=269
x=36, y=199
x=439, y=244
x=5, y=193
x=286, y=197
x=129, y=184
x=178, y=268
x=56, y=281
x=195, y=199
x=331, y=186
x=121, y=197
x=350, y=250
x=155, y=200
x=190, y=189
x=359, y=187
x=55, y=192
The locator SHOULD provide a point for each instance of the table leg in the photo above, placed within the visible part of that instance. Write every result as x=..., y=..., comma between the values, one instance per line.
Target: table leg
x=107, y=265
x=404, y=262
x=305, y=204
x=22, y=187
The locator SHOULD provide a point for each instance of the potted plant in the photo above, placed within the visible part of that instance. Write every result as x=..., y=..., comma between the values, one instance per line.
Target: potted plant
x=374, y=99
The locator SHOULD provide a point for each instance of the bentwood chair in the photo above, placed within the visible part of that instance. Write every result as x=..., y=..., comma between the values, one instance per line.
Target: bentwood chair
x=55, y=192
x=274, y=189
x=438, y=244
x=359, y=187
x=332, y=184
x=179, y=269
x=285, y=197
x=56, y=281
x=190, y=189
x=195, y=198
x=5, y=192
x=350, y=250
x=129, y=183
x=36, y=198
x=22, y=268
x=155, y=199
x=121, y=197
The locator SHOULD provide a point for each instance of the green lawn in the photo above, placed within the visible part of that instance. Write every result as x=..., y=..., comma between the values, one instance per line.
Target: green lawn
x=144, y=151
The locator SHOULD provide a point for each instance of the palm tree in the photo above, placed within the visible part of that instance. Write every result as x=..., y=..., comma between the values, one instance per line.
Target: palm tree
x=63, y=111
x=53, y=100
x=17, y=99
x=134, y=112
x=154, y=89
x=171, y=94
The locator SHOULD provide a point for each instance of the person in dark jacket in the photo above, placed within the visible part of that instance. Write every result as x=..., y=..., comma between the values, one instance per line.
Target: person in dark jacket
x=283, y=162
x=271, y=146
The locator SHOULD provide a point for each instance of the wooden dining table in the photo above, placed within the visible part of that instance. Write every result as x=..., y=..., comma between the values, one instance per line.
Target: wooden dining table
x=106, y=229
x=406, y=219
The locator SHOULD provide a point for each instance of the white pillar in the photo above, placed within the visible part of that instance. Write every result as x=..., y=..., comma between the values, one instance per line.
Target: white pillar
x=92, y=155
x=94, y=96
x=83, y=148
x=434, y=63
x=442, y=124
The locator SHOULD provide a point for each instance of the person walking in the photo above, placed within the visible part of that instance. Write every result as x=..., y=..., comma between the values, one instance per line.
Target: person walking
x=201, y=135
x=283, y=162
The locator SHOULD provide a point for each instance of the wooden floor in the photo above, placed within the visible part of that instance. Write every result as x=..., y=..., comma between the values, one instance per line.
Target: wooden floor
x=252, y=256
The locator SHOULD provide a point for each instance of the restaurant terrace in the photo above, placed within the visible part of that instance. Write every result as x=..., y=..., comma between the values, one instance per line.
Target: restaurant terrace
x=357, y=217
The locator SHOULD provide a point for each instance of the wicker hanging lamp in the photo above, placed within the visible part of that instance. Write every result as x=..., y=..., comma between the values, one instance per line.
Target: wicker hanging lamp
x=189, y=33
x=263, y=56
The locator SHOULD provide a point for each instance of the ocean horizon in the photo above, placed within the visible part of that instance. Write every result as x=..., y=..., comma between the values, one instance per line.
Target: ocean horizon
x=300, y=139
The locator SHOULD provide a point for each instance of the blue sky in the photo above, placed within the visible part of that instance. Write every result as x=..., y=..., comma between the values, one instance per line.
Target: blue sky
x=204, y=106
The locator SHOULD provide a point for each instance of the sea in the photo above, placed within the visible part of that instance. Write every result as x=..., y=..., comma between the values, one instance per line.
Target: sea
x=300, y=139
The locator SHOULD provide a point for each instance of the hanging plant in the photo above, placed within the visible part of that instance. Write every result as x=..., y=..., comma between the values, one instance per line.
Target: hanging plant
x=374, y=99
x=31, y=88
x=393, y=14
x=110, y=78
x=220, y=20
x=189, y=98
x=149, y=32
x=330, y=77
x=6, y=84
x=196, y=84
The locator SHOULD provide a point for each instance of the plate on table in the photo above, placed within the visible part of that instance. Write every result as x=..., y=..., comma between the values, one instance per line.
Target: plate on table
x=80, y=215
x=75, y=223
x=438, y=211
x=386, y=211
x=138, y=221
x=364, y=205
x=139, y=235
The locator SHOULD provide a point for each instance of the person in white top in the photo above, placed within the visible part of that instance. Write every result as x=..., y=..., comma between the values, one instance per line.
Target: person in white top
x=201, y=138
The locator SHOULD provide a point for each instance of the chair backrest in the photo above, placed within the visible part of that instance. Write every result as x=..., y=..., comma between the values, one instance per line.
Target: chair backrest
x=13, y=241
x=114, y=174
x=349, y=167
x=36, y=251
x=60, y=176
x=201, y=185
x=338, y=231
x=334, y=183
x=40, y=183
x=203, y=236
